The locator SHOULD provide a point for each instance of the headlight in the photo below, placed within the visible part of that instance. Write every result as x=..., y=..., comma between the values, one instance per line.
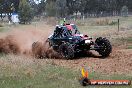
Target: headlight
x=87, y=41
x=70, y=38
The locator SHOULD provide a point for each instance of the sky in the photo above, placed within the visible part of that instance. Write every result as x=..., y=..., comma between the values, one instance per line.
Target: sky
x=37, y=1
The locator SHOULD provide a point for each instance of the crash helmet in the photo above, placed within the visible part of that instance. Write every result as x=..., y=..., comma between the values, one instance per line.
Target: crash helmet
x=69, y=27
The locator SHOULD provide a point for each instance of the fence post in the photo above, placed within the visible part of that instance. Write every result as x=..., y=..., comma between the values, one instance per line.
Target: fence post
x=118, y=25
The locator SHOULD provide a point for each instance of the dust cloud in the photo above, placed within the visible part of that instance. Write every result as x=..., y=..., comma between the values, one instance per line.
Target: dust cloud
x=27, y=42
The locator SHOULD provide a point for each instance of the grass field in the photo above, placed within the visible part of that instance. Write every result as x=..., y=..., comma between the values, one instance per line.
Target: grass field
x=18, y=71
x=99, y=26
x=26, y=73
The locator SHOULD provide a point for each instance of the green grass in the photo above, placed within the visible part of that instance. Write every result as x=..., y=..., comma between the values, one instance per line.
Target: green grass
x=48, y=77
x=53, y=77
x=129, y=47
x=4, y=29
x=129, y=40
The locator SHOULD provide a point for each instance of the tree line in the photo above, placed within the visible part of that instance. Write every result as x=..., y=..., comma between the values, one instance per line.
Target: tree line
x=62, y=8
x=68, y=7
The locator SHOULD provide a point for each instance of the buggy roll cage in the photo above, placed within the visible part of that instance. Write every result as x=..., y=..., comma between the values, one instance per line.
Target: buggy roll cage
x=61, y=32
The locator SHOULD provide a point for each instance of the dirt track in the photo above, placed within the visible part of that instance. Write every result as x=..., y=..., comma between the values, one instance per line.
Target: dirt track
x=119, y=62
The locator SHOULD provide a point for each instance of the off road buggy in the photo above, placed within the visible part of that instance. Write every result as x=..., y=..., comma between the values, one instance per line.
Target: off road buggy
x=69, y=42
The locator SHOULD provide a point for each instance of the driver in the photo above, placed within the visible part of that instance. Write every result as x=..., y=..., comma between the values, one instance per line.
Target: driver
x=69, y=27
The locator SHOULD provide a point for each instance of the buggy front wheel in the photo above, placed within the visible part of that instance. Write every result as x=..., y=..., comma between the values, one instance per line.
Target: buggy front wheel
x=105, y=46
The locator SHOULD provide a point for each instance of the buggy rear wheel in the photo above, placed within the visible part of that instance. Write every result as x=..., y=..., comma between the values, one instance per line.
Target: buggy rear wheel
x=105, y=46
x=66, y=50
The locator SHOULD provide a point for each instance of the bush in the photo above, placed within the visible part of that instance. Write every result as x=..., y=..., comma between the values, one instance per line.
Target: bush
x=105, y=21
x=102, y=21
x=1, y=25
x=113, y=23
x=124, y=11
x=25, y=12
